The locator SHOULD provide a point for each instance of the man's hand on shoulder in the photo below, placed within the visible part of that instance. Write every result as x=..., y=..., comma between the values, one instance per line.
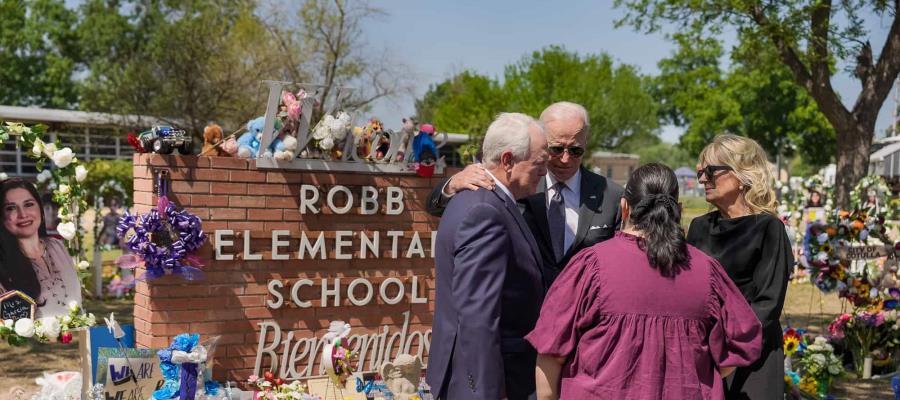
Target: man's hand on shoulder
x=470, y=178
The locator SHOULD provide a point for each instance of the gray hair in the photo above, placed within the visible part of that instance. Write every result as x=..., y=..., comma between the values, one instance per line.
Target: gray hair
x=564, y=108
x=509, y=132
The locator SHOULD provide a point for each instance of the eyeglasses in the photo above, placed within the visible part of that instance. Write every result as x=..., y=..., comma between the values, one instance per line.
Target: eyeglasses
x=710, y=171
x=557, y=151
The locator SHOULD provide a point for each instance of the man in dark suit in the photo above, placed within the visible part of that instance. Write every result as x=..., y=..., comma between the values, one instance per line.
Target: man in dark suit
x=488, y=277
x=574, y=207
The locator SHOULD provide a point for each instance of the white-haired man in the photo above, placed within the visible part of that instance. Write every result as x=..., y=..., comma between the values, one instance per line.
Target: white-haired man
x=574, y=207
x=488, y=276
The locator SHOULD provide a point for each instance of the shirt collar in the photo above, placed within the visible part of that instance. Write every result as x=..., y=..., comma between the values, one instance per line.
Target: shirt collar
x=573, y=183
x=501, y=186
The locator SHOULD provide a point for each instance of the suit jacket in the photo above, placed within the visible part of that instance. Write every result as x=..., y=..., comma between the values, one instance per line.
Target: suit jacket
x=598, y=218
x=488, y=296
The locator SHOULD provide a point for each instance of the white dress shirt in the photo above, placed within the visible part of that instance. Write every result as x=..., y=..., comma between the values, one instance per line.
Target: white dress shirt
x=572, y=199
x=502, y=187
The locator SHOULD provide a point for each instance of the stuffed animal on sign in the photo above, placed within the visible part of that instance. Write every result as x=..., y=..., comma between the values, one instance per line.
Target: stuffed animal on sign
x=212, y=138
x=424, y=151
x=406, y=132
x=248, y=143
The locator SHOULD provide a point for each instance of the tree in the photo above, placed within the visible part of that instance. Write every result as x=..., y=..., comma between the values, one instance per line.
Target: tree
x=193, y=62
x=326, y=50
x=808, y=37
x=757, y=98
x=40, y=54
x=620, y=108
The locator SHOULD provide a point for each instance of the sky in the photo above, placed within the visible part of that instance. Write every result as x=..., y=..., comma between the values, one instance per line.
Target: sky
x=436, y=39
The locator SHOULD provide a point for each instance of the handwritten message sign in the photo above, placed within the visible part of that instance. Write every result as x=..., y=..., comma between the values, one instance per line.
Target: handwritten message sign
x=15, y=305
x=134, y=377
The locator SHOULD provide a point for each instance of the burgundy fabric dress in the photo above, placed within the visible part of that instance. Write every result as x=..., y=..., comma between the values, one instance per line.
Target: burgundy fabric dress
x=627, y=332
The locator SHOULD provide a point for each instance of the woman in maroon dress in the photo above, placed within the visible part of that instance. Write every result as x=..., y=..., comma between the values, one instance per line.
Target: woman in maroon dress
x=643, y=315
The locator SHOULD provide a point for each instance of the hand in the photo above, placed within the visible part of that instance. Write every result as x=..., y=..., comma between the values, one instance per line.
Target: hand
x=725, y=371
x=471, y=178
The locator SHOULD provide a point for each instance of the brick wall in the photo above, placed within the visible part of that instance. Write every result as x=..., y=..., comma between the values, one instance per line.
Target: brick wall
x=230, y=193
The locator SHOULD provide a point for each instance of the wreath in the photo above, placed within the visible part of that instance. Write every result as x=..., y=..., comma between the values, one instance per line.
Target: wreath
x=164, y=239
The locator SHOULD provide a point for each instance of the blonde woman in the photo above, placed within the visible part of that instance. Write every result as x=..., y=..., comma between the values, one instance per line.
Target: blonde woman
x=747, y=238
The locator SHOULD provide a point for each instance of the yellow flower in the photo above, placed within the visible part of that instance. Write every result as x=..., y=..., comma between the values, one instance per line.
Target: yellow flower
x=791, y=343
x=809, y=385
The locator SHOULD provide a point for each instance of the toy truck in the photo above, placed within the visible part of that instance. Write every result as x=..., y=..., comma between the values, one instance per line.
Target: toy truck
x=163, y=139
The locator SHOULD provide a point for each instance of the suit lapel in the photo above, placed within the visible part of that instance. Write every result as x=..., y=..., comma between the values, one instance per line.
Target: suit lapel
x=513, y=209
x=591, y=199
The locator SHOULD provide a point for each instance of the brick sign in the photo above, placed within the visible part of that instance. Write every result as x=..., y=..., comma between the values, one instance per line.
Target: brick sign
x=288, y=252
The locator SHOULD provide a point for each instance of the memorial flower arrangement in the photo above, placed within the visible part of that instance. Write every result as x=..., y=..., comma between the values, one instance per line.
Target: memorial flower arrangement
x=65, y=178
x=268, y=387
x=331, y=132
x=47, y=329
x=810, y=366
x=868, y=333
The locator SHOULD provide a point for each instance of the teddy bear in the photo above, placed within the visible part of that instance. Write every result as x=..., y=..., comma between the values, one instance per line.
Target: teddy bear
x=212, y=141
x=402, y=376
x=248, y=143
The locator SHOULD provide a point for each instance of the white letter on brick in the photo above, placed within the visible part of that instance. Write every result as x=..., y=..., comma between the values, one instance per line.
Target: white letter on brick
x=309, y=195
x=368, y=202
x=276, y=294
x=319, y=247
x=278, y=243
x=330, y=199
x=394, y=201
x=334, y=292
x=220, y=243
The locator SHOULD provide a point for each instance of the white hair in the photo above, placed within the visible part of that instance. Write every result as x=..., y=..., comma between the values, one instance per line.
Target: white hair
x=564, y=108
x=509, y=132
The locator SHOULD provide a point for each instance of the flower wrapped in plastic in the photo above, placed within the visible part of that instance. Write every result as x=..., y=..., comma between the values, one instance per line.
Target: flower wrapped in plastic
x=183, y=368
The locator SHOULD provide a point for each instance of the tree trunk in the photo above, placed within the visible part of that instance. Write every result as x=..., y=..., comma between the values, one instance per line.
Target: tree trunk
x=854, y=139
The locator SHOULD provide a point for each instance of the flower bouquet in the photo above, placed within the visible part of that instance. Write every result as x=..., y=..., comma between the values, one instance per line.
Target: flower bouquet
x=868, y=334
x=816, y=366
x=270, y=388
x=47, y=329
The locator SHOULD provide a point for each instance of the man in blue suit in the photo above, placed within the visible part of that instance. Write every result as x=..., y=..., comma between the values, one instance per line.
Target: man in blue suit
x=488, y=276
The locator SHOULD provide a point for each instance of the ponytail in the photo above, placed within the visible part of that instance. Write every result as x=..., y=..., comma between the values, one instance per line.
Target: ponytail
x=652, y=194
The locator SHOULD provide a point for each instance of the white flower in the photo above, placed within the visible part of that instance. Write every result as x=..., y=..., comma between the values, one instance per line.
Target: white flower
x=91, y=319
x=8, y=323
x=38, y=147
x=44, y=176
x=64, y=189
x=834, y=369
x=73, y=305
x=67, y=320
x=821, y=256
x=49, y=148
x=80, y=173
x=3, y=176
x=820, y=340
x=822, y=238
x=326, y=144
x=819, y=359
x=323, y=129
x=63, y=157
x=50, y=326
x=25, y=327
x=66, y=230
x=83, y=265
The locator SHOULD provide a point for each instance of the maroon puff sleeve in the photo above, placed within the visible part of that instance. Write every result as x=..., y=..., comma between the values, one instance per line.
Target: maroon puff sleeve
x=568, y=302
x=735, y=338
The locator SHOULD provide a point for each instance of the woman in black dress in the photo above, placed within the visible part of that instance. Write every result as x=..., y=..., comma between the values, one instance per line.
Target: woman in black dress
x=749, y=240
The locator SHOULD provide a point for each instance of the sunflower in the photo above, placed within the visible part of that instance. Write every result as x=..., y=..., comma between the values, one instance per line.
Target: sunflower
x=791, y=344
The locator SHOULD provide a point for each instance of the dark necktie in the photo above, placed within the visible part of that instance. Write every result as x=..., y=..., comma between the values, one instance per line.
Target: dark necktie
x=556, y=217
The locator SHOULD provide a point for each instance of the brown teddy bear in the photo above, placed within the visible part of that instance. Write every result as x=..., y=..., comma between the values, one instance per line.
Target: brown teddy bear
x=212, y=141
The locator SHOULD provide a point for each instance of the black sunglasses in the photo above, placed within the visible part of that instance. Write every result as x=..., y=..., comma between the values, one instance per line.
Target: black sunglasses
x=557, y=151
x=710, y=171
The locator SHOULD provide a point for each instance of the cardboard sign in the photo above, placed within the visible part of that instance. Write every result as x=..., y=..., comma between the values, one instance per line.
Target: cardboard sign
x=16, y=305
x=116, y=373
x=816, y=214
